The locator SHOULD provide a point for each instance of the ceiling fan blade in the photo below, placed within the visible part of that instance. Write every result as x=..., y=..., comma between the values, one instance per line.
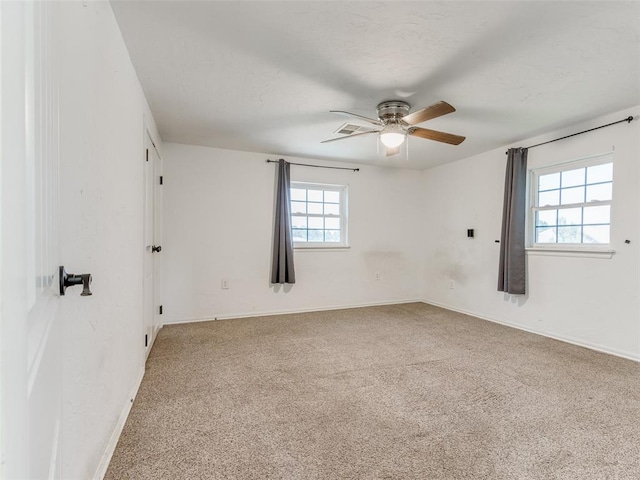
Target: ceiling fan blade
x=435, y=135
x=393, y=151
x=349, y=136
x=348, y=114
x=427, y=113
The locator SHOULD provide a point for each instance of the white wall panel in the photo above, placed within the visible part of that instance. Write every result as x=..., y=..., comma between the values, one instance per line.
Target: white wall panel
x=103, y=113
x=218, y=223
x=590, y=301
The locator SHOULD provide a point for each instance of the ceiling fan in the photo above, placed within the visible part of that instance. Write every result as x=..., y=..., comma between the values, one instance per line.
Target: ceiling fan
x=396, y=123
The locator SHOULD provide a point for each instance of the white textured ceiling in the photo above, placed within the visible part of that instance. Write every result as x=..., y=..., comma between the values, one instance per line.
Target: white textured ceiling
x=262, y=76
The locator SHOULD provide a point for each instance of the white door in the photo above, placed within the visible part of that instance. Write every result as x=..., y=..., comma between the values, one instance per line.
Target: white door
x=157, y=233
x=30, y=340
x=152, y=243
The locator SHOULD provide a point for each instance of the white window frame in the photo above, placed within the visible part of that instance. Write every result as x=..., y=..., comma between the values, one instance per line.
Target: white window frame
x=343, y=190
x=597, y=249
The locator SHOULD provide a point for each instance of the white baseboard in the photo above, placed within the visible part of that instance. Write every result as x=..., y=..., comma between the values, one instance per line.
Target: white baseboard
x=115, y=435
x=286, y=312
x=562, y=338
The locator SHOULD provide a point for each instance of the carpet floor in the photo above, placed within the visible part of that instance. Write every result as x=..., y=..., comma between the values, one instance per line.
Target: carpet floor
x=406, y=391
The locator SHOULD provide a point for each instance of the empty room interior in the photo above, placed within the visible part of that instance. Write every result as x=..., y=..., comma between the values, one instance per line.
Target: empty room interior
x=320, y=240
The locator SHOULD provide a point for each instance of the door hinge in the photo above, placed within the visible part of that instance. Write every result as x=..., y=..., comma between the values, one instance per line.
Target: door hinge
x=146, y=340
x=161, y=179
x=147, y=155
x=160, y=310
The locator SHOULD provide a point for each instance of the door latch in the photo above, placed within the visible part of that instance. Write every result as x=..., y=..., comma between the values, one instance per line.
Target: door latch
x=156, y=248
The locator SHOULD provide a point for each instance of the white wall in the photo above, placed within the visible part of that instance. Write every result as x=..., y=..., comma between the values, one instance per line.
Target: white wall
x=103, y=111
x=218, y=217
x=591, y=301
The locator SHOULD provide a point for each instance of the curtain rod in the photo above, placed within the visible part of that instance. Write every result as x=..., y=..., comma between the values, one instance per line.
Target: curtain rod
x=628, y=120
x=315, y=166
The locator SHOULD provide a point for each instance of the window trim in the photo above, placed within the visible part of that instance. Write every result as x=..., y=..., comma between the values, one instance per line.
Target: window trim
x=572, y=252
x=335, y=246
x=599, y=250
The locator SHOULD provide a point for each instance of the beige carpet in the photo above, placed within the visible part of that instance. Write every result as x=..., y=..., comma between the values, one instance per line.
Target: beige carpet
x=396, y=392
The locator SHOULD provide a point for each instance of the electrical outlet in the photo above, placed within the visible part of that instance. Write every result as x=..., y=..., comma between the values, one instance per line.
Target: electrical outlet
x=451, y=284
x=377, y=276
x=225, y=284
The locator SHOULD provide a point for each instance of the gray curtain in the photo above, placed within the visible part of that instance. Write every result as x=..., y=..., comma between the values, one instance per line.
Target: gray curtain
x=512, y=275
x=282, y=259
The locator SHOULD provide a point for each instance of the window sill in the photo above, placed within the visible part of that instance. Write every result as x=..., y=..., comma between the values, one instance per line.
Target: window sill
x=605, y=253
x=320, y=248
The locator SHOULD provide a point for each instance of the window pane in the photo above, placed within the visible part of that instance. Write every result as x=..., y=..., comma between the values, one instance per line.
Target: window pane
x=317, y=214
x=570, y=234
x=597, y=214
x=549, y=182
x=546, y=217
x=571, y=178
x=332, y=235
x=600, y=173
x=316, y=235
x=298, y=207
x=316, y=222
x=545, y=234
x=573, y=206
x=331, y=209
x=599, y=192
x=314, y=195
x=570, y=216
x=596, y=234
x=549, y=198
x=331, y=196
x=332, y=223
x=298, y=194
x=299, y=222
x=315, y=208
x=299, y=235
x=571, y=195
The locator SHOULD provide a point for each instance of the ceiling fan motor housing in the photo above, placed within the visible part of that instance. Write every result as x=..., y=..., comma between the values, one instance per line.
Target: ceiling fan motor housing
x=392, y=111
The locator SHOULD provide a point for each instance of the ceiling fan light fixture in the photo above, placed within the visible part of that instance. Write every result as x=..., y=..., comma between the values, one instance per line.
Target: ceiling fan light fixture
x=392, y=136
x=396, y=123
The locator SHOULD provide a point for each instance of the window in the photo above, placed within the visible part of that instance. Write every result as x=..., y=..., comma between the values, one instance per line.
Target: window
x=319, y=215
x=571, y=203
